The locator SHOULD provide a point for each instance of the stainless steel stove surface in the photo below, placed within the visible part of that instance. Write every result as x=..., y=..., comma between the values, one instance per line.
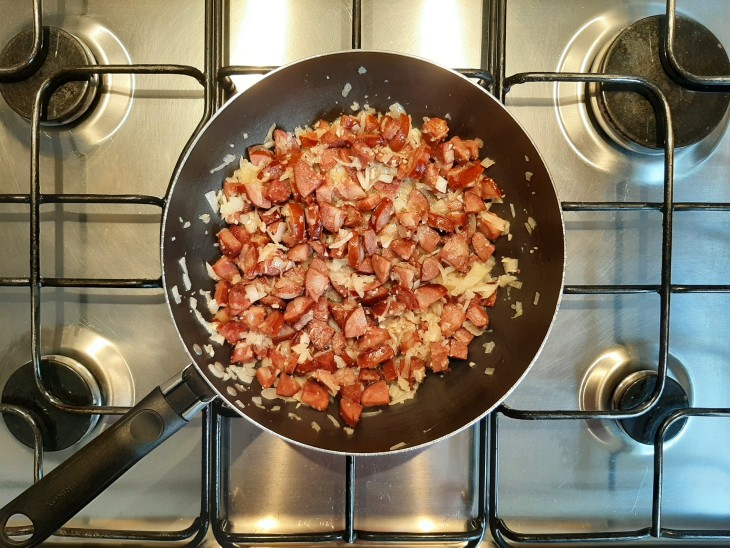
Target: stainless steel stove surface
x=536, y=470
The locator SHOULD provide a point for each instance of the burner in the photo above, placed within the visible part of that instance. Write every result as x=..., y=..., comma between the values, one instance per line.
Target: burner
x=629, y=116
x=637, y=389
x=619, y=379
x=61, y=49
x=68, y=381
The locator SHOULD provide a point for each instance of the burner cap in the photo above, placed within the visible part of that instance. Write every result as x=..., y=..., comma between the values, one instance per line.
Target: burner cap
x=636, y=51
x=637, y=389
x=68, y=381
x=61, y=49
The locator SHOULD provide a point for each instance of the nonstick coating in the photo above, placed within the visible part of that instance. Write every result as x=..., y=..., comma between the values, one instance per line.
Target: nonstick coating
x=311, y=89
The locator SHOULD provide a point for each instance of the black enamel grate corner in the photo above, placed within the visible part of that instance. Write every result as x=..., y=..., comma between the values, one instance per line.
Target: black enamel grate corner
x=216, y=82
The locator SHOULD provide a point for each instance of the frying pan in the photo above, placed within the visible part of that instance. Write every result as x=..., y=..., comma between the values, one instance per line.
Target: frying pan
x=292, y=96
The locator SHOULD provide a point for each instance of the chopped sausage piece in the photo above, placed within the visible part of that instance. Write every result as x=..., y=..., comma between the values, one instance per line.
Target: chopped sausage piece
x=350, y=411
x=320, y=334
x=352, y=391
x=296, y=308
x=253, y=316
x=382, y=267
x=441, y=222
x=363, y=152
x=221, y=292
x=237, y=300
x=429, y=269
x=369, y=240
x=372, y=358
x=444, y=154
x=428, y=294
x=418, y=204
x=427, y=238
x=366, y=266
x=382, y=214
x=284, y=142
x=332, y=217
x=314, y=222
x=398, y=141
x=439, y=357
x=228, y=243
x=353, y=217
x=473, y=145
x=315, y=395
x=463, y=336
x=369, y=376
x=243, y=353
x=482, y=246
x=464, y=176
x=456, y=252
x=290, y=285
x=260, y=156
x=369, y=203
x=458, y=349
x=328, y=159
x=356, y=324
x=431, y=175
x=278, y=192
x=350, y=189
x=373, y=338
x=473, y=202
x=226, y=269
x=376, y=394
x=477, y=315
x=296, y=224
x=403, y=248
x=266, y=376
x=435, y=130
x=406, y=297
x=461, y=151
x=326, y=361
x=272, y=324
x=299, y=253
x=287, y=386
x=452, y=318
x=306, y=179
x=489, y=189
x=255, y=193
x=316, y=283
x=389, y=371
x=404, y=276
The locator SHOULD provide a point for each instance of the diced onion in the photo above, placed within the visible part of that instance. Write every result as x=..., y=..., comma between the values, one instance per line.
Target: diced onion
x=212, y=198
x=211, y=272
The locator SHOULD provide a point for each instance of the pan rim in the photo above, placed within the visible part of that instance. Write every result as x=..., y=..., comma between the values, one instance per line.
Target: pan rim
x=182, y=161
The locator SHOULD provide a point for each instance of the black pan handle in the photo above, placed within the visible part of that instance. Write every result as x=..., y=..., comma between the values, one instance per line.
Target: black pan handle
x=56, y=498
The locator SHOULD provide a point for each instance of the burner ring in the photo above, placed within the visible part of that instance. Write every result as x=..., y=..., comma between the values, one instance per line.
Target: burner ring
x=637, y=389
x=67, y=380
x=61, y=49
x=619, y=379
x=628, y=117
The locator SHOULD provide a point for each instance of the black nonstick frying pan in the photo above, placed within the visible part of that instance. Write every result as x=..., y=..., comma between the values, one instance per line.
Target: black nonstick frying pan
x=292, y=96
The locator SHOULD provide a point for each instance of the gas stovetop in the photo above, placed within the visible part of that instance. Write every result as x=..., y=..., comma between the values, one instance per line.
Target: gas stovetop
x=565, y=459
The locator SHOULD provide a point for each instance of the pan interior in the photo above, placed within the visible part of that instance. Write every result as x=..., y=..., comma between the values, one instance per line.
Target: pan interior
x=298, y=95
